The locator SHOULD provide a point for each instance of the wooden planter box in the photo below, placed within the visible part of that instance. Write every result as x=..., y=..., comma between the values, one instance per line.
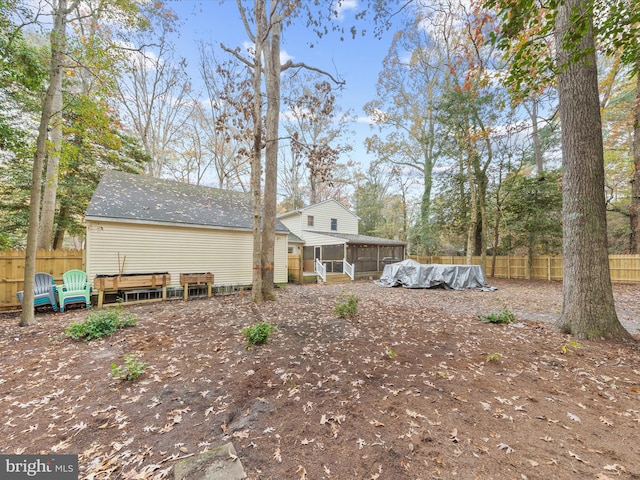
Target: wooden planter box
x=196, y=278
x=187, y=279
x=131, y=280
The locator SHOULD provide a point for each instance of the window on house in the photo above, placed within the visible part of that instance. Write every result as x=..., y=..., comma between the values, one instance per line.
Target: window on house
x=334, y=224
x=310, y=220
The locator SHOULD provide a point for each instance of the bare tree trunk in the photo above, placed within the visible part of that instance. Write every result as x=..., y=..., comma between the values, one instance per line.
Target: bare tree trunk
x=588, y=308
x=256, y=159
x=55, y=71
x=313, y=189
x=535, y=134
x=634, y=215
x=48, y=212
x=272, y=80
x=473, y=213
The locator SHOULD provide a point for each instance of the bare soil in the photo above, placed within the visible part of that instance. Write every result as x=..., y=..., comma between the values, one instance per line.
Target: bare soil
x=414, y=387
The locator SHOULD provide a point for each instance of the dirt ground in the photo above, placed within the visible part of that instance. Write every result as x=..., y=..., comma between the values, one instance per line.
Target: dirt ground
x=414, y=387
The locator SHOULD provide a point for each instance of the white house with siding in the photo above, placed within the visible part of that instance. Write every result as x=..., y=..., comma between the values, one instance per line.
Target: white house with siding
x=140, y=224
x=329, y=231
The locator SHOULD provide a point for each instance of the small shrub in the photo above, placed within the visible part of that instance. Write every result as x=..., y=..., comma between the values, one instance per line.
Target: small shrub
x=100, y=323
x=257, y=334
x=133, y=367
x=346, y=306
x=493, y=357
x=503, y=316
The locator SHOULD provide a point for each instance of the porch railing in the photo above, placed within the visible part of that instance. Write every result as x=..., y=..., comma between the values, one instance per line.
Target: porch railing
x=321, y=270
x=349, y=269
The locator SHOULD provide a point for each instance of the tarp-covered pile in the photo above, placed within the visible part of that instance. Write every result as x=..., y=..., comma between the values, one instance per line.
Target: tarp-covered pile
x=411, y=274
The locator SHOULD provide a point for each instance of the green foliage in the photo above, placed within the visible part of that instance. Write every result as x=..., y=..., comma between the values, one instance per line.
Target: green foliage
x=133, y=367
x=503, y=316
x=493, y=357
x=257, y=334
x=532, y=217
x=390, y=353
x=567, y=346
x=100, y=323
x=346, y=306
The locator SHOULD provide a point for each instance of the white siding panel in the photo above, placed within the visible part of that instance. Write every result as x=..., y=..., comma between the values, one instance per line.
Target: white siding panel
x=324, y=212
x=281, y=273
x=316, y=239
x=152, y=248
x=292, y=222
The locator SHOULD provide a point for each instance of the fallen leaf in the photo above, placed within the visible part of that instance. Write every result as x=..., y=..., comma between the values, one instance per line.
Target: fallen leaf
x=573, y=417
x=606, y=421
x=573, y=455
x=276, y=455
x=505, y=447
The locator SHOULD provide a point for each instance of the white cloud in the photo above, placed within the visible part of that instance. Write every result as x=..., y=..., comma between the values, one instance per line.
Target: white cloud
x=285, y=57
x=342, y=6
x=248, y=47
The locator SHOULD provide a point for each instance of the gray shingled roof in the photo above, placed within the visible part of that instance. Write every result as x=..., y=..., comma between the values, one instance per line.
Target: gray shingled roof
x=125, y=196
x=362, y=239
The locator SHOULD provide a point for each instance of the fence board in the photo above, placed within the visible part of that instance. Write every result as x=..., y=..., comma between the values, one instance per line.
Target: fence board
x=624, y=268
x=54, y=262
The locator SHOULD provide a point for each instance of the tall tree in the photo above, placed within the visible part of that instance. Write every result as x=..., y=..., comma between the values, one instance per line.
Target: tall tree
x=22, y=72
x=154, y=93
x=410, y=87
x=588, y=308
x=635, y=181
x=58, y=40
x=587, y=279
x=315, y=127
x=269, y=18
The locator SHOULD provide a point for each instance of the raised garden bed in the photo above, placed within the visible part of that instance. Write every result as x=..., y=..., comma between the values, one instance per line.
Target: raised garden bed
x=187, y=279
x=131, y=280
x=127, y=281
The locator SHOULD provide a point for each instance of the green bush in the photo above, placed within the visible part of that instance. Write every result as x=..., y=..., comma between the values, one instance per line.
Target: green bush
x=346, y=306
x=100, y=323
x=257, y=334
x=133, y=367
x=503, y=316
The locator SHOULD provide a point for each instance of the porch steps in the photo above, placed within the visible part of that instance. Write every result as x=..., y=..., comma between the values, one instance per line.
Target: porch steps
x=336, y=278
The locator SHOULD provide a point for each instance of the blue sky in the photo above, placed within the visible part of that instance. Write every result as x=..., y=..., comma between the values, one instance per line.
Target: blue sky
x=357, y=61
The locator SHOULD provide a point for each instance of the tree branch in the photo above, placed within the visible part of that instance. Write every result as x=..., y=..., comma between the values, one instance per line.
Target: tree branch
x=236, y=54
x=289, y=64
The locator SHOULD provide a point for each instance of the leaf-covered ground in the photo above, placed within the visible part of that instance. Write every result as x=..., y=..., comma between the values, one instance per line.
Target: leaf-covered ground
x=414, y=387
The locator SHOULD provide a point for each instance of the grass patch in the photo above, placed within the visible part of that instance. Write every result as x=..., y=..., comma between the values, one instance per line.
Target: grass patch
x=503, y=316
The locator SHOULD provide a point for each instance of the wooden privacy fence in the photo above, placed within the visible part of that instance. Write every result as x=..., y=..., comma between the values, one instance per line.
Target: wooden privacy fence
x=295, y=267
x=55, y=262
x=624, y=268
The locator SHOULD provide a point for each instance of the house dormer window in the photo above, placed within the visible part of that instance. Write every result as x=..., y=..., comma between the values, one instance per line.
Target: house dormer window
x=310, y=220
x=334, y=224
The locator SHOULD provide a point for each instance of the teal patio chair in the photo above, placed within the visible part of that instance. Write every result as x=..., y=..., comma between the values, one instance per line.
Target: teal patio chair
x=74, y=289
x=44, y=291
